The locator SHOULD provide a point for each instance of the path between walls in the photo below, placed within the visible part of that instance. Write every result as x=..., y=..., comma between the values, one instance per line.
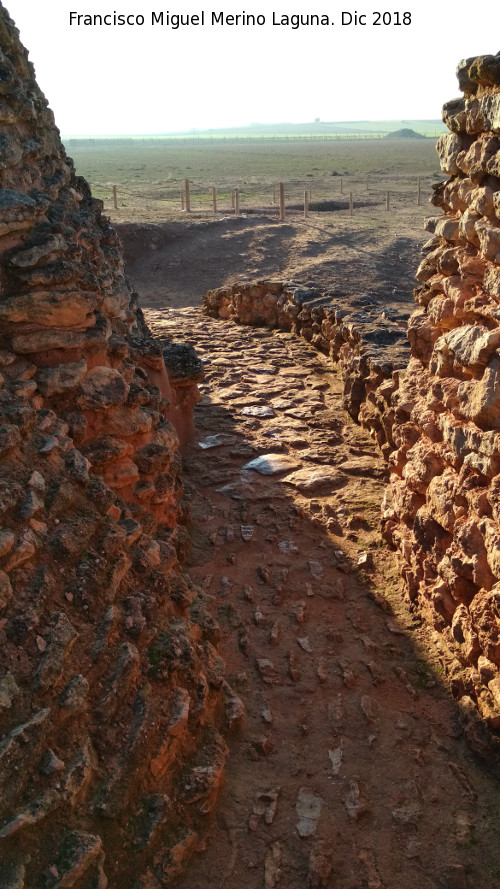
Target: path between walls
x=347, y=766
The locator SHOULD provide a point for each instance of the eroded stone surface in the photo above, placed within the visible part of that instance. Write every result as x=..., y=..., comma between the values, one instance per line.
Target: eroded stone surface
x=440, y=510
x=319, y=648
x=107, y=664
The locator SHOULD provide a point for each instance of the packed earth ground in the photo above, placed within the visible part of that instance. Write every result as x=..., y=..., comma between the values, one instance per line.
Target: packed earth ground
x=347, y=768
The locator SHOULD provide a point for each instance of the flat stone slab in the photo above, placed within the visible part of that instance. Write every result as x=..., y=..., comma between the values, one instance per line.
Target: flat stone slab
x=314, y=481
x=261, y=410
x=363, y=466
x=271, y=464
x=282, y=404
x=217, y=441
x=264, y=369
x=295, y=371
x=246, y=487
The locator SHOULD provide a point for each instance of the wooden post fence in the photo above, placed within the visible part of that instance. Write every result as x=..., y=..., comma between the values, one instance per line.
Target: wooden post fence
x=387, y=202
x=214, y=199
x=341, y=186
x=236, y=202
x=115, y=199
x=306, y=204
x=351, y=204
x=282, y=200
x=419, y=194
x=188, y=199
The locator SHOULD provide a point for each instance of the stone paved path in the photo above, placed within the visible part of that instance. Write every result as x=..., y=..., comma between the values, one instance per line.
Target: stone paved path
x=347, y=769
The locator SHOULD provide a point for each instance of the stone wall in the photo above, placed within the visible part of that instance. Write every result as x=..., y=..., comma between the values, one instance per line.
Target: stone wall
x=442, y=508
x=369, y=345
x=433, y=405
x=110, y=684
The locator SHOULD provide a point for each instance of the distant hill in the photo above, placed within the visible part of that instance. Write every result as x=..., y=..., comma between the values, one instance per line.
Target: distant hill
x=360, y=129
x=405, y=133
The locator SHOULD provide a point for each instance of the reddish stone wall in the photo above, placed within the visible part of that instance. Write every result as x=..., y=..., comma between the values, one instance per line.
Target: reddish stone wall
x=370, y=349
x=435, y=413
x=442, y=508
x=110, y=754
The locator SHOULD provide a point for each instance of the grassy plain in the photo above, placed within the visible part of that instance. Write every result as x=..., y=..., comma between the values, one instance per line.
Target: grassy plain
x=149, y=174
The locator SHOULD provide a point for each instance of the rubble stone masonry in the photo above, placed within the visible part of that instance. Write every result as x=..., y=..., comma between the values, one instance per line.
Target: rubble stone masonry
x=113, y=700
x=110, y=753
x=442, y=508
x=433, y=405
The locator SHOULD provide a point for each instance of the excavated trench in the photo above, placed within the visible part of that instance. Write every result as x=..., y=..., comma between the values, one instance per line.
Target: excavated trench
x=347, y=765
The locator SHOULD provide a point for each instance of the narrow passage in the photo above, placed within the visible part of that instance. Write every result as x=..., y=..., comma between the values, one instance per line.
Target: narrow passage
x=347, y=769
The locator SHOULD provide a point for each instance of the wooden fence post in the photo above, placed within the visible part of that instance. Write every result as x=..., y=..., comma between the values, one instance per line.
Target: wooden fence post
x=236, y=202
x=306, y=204
x=282, y=200
x=419, y=195
x=341, y=186
x=351, y=203
x=387, y=202
x=188, y=199
x=115, y=200
x=214, y=199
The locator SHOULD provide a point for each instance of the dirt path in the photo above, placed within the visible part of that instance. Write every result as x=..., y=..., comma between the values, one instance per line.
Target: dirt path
x=373, y=252
x=346, y=769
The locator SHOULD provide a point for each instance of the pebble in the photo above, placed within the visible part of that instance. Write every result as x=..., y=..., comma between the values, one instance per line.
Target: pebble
x=308, y=808
x=335, y=757
x=248, y=594
x=298, y=611
x=265, y=806
x=321, y=671
x=247, y=532
x=263, y=574
x=316, y=569
x=336, y=713
x=266, y=713
x=354, y=804
x=258, y=616
x=294, y=668
x=274, y=634
x=272, y=869
x=287, y=546
x=367, y=707
x=267, y=670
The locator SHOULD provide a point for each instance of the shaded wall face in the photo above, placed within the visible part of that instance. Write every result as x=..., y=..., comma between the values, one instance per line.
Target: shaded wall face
x=67, y=312
x=105, y=647
x=442, y=509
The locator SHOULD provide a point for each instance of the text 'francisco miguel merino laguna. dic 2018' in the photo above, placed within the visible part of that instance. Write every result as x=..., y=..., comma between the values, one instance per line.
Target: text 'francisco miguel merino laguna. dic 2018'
x=176, y=20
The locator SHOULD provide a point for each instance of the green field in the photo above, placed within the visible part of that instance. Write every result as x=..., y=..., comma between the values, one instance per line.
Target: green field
x=150, y=173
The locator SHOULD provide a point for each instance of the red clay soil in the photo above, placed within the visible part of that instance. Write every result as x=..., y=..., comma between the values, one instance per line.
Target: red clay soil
x=347, y=765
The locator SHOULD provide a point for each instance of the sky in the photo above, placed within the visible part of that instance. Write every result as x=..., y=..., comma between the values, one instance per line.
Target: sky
x=153, y=78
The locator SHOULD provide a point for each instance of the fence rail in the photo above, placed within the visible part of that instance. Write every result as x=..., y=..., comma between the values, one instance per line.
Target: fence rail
x=307, y=195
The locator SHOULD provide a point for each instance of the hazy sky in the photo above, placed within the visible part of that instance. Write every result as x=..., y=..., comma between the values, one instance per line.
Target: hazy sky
x=152, y=78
